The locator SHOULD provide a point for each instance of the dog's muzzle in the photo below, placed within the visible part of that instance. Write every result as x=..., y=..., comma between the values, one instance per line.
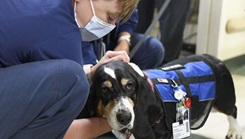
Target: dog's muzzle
x=122, y=115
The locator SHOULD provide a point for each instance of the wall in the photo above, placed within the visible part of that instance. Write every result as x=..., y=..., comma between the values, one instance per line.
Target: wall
x=212, y=36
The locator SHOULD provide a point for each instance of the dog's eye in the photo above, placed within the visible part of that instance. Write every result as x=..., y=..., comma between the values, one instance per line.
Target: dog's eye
x=105, y=90
x=129, y=87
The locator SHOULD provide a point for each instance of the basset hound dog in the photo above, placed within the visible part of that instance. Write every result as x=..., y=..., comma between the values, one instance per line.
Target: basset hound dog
x=162, y=103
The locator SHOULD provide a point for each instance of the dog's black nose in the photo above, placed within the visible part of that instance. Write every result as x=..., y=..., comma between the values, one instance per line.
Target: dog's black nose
x=124, y=117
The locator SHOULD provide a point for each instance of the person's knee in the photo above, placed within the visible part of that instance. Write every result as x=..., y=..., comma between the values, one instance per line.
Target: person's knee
x=157, y=48
x=150, y=54
x=72, y=75
x=69, y=82
x=74, y=85
x=71, y=69
x=56, y=92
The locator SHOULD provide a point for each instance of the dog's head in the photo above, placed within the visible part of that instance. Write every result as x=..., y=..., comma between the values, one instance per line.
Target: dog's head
x=120, y=92
x=114, y=90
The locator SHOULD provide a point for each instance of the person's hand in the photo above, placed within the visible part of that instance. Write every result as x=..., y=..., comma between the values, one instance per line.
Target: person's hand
x=109, y=56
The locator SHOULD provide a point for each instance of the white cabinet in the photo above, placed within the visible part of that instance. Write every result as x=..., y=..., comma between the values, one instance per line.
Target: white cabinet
x=212, y=35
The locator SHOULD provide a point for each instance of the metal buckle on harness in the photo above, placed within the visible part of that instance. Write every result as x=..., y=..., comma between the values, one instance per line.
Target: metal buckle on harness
x=172, y=82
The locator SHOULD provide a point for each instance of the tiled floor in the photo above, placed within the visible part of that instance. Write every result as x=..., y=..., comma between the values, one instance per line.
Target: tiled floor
x=216, y=126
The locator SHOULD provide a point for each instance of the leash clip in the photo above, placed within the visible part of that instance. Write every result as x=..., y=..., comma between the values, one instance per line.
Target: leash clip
x=173, y=83
x=179, y=94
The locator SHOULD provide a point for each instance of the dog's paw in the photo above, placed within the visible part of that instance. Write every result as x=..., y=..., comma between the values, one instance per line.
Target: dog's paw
x=234, y=134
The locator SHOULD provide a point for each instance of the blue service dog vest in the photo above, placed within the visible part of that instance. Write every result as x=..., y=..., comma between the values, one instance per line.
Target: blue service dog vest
x=195, y=78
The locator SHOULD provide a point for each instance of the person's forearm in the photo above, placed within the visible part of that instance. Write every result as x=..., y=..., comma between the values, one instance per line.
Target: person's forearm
x=87, y=128
x=123, y=43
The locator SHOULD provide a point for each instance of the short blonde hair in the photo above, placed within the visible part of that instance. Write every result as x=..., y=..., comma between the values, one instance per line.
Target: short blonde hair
x=128, y=7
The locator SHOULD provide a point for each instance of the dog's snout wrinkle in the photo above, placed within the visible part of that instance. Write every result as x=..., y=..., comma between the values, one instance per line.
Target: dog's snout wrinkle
x=124, y=117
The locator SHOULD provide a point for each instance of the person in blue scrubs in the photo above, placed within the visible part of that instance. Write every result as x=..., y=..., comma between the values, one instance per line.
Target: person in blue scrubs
x=150, y=54
x=43, y=80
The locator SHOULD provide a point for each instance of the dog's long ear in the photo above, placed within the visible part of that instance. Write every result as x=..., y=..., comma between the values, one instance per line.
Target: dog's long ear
x=90, y=106
x=92, y=101
x=146, y=92
x=148, y=108
x=137, y=69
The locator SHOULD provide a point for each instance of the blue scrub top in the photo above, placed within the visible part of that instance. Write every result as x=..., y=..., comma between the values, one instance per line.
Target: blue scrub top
x=35, y=30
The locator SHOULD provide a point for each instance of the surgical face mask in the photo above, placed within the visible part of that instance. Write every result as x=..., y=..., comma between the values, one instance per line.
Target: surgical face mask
x=96, y=28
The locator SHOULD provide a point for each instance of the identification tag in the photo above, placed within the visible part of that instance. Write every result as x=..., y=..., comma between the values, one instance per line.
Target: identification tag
x=181, y=131
x=181, y=128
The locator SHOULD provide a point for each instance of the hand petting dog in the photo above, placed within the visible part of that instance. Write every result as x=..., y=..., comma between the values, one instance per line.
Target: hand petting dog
x=111, y=56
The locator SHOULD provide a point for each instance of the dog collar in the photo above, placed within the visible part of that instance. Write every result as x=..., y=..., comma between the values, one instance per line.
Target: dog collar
x=150, y=82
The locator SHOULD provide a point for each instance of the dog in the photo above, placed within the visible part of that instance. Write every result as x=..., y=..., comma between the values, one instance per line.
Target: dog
x=163, y=105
